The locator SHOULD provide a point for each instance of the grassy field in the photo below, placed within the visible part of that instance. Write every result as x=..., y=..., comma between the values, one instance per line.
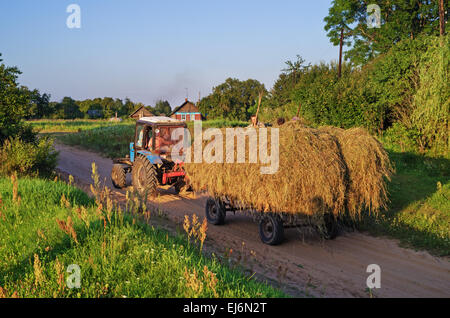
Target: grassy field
x=111, y=141
x=48, y=225
x=419, y=211
x=77, y=125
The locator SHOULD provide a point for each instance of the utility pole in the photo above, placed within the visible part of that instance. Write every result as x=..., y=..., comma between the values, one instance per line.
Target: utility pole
x=441, y=17
x=341, y=44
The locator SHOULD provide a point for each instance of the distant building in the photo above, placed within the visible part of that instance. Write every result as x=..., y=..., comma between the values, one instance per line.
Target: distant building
x=141, y=112
x=186, y=112
x=115, y=118
x=95, y=113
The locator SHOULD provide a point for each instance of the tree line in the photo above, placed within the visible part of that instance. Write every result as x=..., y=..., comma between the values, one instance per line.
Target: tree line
x=393, y=80
x=40, y=107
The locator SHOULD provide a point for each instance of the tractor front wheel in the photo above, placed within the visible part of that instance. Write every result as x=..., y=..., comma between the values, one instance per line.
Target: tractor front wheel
x=144, y=176
x=119, y=176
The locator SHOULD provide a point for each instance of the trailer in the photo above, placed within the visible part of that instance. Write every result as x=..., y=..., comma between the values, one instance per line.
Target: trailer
x=271, y=225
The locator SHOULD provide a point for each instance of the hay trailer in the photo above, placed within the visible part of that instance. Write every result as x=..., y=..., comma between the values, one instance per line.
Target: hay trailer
x=271, y=225
x=149, y=161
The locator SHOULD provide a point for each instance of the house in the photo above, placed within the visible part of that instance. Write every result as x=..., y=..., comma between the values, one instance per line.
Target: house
x=95, y=113
x=141, y=112
x=186, y=112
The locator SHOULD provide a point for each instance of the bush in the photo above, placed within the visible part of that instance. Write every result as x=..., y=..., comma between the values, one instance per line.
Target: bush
x=430, y=113
x=28, y=158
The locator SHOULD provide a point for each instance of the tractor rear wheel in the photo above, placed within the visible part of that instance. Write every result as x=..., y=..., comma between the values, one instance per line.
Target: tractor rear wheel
x=271, y=230
x=144, y=176
x=119, y=176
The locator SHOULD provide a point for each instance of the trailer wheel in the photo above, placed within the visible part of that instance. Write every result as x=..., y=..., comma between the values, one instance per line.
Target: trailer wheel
x=271, y=230
x=119, y=176
x=215, y=212
x=144, y=176
x=331, y=227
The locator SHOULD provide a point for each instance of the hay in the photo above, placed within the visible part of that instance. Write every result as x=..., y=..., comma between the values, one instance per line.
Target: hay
x=313, y=176
x=368, y=169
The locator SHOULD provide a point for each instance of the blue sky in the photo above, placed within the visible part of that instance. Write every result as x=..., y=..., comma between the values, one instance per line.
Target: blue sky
x=146, y=50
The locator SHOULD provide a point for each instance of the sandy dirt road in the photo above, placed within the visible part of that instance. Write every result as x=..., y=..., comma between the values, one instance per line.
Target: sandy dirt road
x=304, y=264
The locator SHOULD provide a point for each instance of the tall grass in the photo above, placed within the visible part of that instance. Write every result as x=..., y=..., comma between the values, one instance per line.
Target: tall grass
x=48, y=225
x=76, y=125
x=111, y=141
x=419, y=209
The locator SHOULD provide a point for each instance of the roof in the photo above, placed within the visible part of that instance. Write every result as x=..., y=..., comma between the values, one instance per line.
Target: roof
x=190, y=108
x=158, y=120
x=137, y=110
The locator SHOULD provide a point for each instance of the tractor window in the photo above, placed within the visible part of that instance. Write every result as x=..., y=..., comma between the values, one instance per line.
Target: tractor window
x=149, y=134
x=140, y=136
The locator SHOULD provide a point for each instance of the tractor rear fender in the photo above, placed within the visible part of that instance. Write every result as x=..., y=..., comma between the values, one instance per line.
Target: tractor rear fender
x=154, y=159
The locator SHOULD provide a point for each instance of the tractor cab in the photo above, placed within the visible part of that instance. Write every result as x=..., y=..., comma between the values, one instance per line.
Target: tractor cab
x=158, y=135
x=150, y=161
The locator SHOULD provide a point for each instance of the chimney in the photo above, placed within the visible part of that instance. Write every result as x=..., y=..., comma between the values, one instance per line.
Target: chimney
x=185, y=99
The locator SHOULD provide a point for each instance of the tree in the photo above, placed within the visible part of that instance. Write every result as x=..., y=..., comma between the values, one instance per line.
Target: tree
x=14, y=105
x=40, y=105
x=441, y=18
x=233, y=99
x=290, y=76
x=67, y=109
x=162, y=108
x=399, y=19
x=128, y=107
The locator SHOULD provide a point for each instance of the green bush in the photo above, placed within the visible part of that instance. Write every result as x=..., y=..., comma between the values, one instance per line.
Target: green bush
x=27, y=158
x=431, y=107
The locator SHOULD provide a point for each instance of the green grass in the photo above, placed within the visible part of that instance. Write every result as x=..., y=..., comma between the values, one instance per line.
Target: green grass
x=112, y=141
x=220, y=123
x=118, y=256
x=419, y=211
x=77, y=125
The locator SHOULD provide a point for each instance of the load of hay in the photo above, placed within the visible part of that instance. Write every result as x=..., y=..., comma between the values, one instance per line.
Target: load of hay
x=368, y=167
x=320, y=171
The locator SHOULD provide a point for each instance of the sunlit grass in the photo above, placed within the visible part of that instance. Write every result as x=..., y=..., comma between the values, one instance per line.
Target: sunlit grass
x=419, y=211
x=119, y=256
x=77, y=125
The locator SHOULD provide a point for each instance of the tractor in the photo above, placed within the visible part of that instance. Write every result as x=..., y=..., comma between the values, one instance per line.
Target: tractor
x=149, y=161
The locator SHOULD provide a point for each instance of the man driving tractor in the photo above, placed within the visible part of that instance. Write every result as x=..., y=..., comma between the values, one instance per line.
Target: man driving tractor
x=162, y=140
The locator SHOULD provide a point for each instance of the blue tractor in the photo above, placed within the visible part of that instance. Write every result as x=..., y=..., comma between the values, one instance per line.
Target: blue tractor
x=149, y=161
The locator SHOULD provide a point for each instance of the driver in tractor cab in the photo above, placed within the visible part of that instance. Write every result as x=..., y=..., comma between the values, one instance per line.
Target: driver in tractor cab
x=162, y=140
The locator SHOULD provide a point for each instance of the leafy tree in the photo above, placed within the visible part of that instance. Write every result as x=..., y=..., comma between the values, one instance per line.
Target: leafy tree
x=14, y=105
x=162, y=108
x=233, y=99
x=67, y=109
x=40, y=105
x=400, y=19
x=283, y=86
x=127, y=108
